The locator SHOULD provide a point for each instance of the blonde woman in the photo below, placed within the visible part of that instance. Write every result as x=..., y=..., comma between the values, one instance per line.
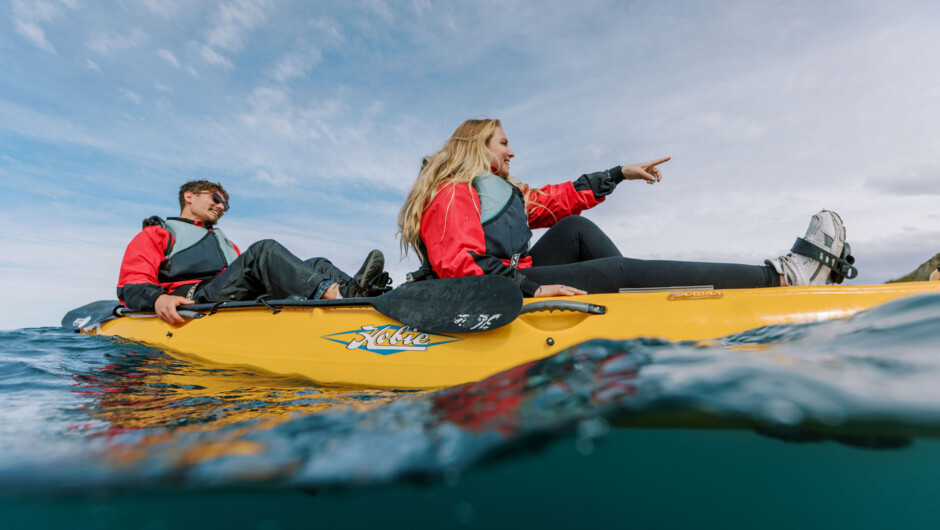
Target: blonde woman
x=466, y=216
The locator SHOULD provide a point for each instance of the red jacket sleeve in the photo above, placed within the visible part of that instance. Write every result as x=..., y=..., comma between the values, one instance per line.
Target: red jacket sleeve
x=143, y=256
x=549, y=204
x=138, y=285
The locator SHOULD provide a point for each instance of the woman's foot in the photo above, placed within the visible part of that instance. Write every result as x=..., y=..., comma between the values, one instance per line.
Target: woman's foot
x=812, y=259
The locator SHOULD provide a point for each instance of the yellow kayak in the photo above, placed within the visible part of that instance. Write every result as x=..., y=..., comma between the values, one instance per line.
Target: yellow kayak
x=356, y=345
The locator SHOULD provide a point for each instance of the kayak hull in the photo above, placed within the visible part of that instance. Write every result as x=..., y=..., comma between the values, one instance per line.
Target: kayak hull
x=356, y=345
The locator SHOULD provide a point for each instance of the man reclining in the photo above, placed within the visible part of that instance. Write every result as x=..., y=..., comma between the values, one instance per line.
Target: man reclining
x=186, y=259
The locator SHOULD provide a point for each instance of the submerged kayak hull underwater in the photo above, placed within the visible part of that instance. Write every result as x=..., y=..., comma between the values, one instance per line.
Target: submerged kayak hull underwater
x=356, y=345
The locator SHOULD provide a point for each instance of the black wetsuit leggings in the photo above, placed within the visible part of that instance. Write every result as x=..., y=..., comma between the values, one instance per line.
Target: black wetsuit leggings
x=575, y=252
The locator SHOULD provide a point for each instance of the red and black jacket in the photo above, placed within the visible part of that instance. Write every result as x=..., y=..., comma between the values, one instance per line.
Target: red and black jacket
x=456, y=242
x=146, y=273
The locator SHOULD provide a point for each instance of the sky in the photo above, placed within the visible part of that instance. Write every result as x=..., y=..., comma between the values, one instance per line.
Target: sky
x=315, y=115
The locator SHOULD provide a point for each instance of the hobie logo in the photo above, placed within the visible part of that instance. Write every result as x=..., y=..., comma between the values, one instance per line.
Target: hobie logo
x=389, y=339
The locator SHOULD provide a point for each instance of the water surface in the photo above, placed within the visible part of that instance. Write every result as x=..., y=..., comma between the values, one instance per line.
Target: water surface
x=823, y=425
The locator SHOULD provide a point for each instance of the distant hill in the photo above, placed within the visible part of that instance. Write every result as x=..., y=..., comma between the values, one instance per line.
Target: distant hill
x=920, y=273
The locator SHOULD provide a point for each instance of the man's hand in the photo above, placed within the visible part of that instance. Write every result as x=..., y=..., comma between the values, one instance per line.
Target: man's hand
x=165, y=308
x=646, y=171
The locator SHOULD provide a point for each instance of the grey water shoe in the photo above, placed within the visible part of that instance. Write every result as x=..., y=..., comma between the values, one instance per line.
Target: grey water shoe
x=821, y=257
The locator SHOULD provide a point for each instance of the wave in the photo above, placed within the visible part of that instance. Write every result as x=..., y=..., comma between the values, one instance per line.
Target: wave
x=79, y=412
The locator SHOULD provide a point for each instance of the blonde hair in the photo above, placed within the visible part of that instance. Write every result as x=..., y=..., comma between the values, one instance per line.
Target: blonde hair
x=463, y=158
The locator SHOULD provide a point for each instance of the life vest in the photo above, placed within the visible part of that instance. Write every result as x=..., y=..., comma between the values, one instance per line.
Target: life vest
x=505, y=223
x=502, y=213
x=195, y=252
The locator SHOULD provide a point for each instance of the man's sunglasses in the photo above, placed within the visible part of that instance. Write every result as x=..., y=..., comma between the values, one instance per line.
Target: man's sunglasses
x=216, y=198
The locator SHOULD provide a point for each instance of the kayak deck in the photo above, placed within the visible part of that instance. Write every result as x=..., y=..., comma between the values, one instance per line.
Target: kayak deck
x=357, y=345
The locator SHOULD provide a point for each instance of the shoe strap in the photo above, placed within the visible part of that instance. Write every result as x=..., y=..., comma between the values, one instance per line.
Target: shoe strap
x=842, y=267
x=379, y=284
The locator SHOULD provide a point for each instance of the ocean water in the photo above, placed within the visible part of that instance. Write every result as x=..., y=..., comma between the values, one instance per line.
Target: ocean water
x=830, y=425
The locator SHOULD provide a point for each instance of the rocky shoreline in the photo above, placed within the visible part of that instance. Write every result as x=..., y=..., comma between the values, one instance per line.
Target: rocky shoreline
x=921, y=273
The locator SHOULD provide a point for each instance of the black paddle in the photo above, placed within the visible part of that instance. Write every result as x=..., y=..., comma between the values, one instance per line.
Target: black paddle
x=90, y=314
x=454, y=305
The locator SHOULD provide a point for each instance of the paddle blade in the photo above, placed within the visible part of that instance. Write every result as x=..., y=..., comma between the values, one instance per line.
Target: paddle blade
x=453, y=305
x=90, y=314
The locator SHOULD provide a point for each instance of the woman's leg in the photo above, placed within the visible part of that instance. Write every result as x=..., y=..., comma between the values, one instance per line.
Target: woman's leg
x=571, y=240
x=810, y=262
x=609, y=275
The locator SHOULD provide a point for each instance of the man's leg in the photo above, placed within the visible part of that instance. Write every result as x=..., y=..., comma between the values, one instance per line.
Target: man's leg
x=266, y=267
x=369, y=280
x=329, y=271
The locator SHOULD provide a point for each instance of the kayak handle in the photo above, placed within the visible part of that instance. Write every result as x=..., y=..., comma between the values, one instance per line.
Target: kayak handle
x=564, y=305
x=185, y=313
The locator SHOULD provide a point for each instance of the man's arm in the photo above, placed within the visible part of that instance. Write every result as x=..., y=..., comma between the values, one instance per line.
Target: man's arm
x=138, y=287
x=166, y=308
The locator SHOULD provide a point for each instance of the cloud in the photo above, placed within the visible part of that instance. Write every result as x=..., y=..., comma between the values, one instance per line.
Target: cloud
x=131, y=96
x=234, y=21
x=34, y=34
x=51, y=129
x=900, y=253
x=597, y=150
x=29, y=256
x=108, y=44
x=420, y=6
x=723, y=125
x=168, y=56
x=92, y=65
x=327, y=31
x=213, y=57
x=27, y=16
x=921, y=181
x=296, y=64
x=163, y=106
x=163, y=88
x=164, y=8
x=382, y=9
x=274, y=115
x=279, y=179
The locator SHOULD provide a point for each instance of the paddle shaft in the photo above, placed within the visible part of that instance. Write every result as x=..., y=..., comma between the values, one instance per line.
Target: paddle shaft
x=457, y=305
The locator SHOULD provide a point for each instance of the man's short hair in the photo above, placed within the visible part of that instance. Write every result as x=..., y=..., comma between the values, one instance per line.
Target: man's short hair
x=197, y=186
